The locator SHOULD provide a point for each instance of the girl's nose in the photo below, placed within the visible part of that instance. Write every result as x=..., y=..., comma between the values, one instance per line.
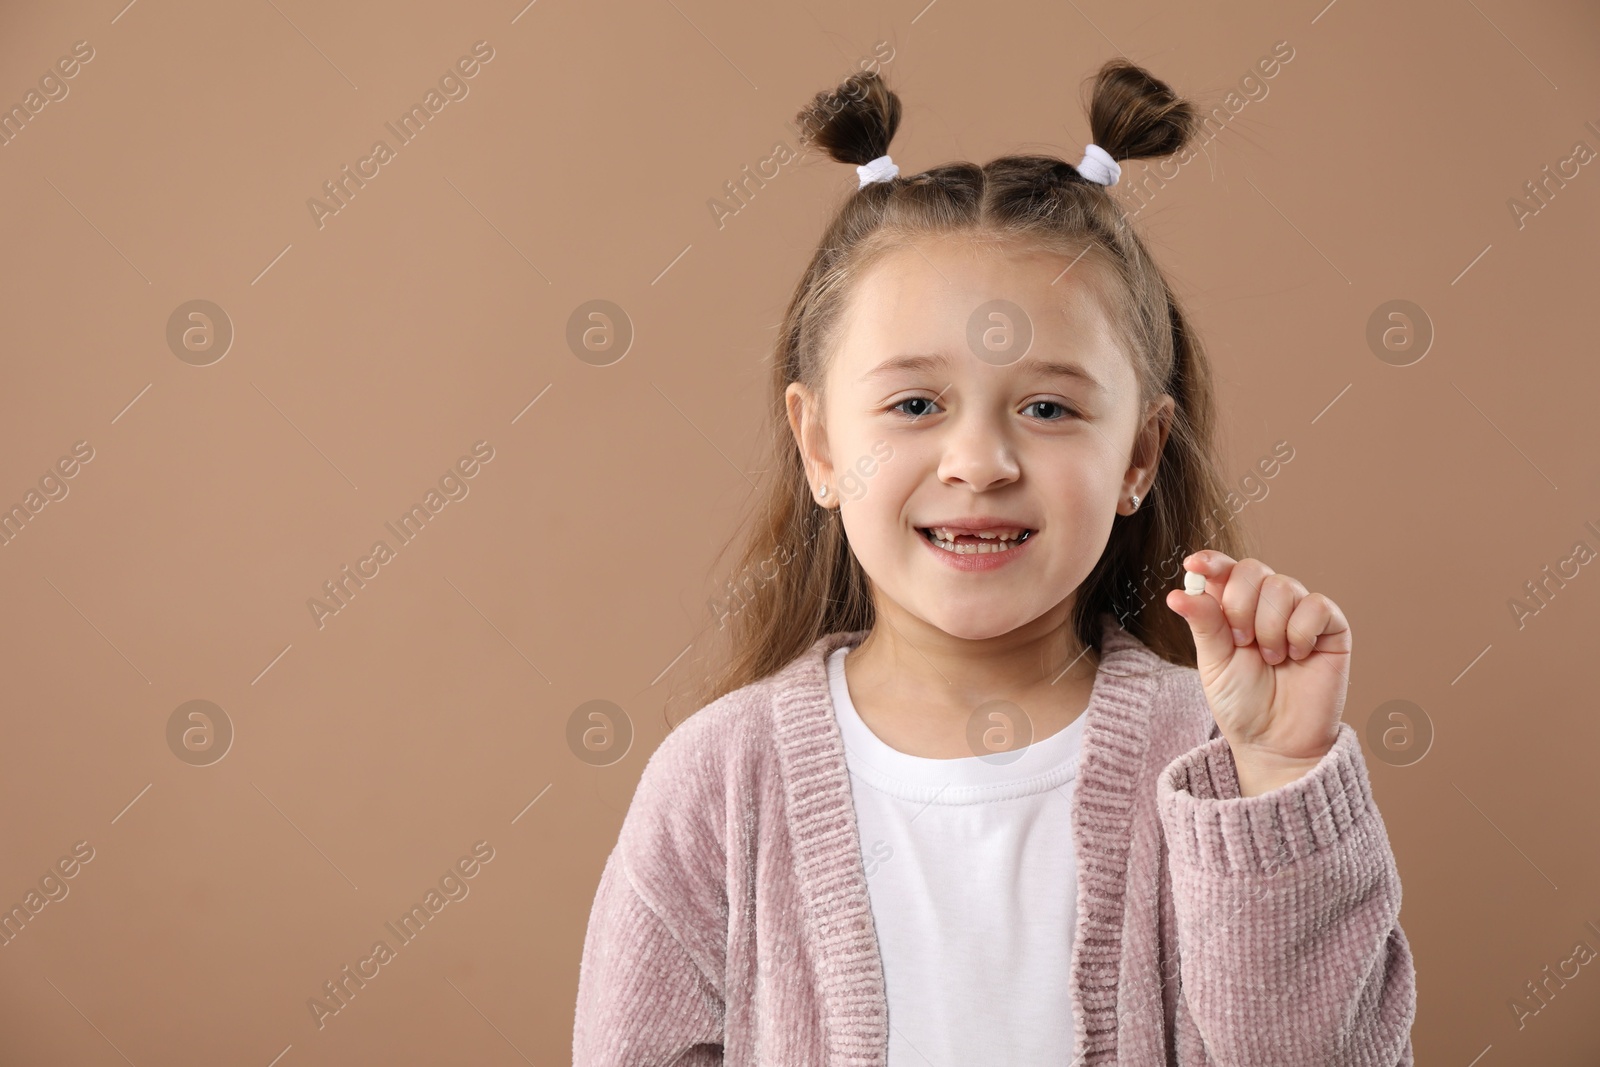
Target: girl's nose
x=980, y=456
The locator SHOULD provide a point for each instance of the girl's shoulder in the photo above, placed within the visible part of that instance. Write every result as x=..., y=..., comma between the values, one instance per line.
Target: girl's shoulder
x=711, y=763
x=719, y=762
x=702, y=801
x=715, y=735
x=749, y=722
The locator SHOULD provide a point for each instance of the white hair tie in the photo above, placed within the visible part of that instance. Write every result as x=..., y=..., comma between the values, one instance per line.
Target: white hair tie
x=1098, y=166
x=879, y=170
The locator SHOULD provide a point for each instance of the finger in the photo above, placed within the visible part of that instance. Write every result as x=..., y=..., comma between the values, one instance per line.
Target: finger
x=1279, y=596
x=1321, y=624
x=1240, y=595
x=1306, y=623
x=1216, y=566
x=1213, y=642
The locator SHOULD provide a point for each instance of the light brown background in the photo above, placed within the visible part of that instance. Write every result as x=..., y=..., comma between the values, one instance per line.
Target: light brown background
x=430, y=312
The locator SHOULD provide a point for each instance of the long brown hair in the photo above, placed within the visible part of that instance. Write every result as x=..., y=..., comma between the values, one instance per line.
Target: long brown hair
x=797, y=578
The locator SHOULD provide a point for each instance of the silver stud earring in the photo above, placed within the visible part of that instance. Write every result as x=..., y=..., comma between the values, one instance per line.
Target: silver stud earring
x=823, y=492
x=1135, y=502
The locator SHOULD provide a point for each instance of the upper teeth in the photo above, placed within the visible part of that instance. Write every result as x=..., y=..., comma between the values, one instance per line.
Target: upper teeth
x=944, y=533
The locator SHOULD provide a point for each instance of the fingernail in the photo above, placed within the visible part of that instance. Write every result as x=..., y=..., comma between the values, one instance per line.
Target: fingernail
x=1240, y=637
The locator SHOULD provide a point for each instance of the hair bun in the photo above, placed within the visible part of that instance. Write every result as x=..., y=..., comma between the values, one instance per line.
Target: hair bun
x=853, y=122
x=1135, y=115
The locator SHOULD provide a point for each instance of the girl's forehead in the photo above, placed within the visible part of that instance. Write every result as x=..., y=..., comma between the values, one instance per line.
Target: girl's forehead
x=933, y=283
x=964, y=302
x=944, y=258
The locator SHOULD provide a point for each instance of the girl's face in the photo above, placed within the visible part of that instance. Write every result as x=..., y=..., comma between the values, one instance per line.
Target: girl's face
x=985, y=424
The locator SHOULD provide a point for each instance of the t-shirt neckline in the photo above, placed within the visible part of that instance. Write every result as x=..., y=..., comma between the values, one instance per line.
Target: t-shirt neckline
x=1045, y=764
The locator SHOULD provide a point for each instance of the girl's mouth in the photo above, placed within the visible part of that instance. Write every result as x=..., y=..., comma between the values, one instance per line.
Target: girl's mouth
x=974, y=544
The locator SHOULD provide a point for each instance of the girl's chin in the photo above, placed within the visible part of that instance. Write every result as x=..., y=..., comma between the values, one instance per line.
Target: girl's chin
x=970, y=622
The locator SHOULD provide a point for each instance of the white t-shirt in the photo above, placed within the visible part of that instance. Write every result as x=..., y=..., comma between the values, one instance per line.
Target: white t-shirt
x=973, y=885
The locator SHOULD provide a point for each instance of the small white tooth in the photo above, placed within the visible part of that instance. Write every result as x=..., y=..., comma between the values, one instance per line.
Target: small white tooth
x=944, y=533
x=967, y=550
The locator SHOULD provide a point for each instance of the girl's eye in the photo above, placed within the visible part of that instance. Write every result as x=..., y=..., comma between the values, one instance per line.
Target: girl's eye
x=1066, y=411
x=913, y=400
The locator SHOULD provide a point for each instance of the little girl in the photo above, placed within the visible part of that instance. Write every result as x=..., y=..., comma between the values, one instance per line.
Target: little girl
x=969, y=793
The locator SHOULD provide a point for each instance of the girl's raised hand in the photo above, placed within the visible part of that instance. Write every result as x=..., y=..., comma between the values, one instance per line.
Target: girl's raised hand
x=1274, y=661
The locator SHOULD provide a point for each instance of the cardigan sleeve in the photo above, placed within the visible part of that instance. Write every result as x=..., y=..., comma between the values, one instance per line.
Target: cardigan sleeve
x=652, y=976
x=1287, y=905
x=642, y=998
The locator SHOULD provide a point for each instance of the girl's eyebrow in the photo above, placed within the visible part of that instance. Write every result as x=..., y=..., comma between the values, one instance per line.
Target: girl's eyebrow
x=918, y=362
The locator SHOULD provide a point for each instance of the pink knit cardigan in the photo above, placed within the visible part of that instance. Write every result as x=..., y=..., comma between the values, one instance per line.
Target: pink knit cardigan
x=732, y=923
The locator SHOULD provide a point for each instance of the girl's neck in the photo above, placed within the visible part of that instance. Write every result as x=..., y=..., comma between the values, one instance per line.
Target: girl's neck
x=918, y=688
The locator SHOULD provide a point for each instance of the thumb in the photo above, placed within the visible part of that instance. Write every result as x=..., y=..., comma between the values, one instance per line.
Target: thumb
x=1213, y=637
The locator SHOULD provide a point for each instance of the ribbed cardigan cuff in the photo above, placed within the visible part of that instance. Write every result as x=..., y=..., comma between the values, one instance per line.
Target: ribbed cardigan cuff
x=1210, y=827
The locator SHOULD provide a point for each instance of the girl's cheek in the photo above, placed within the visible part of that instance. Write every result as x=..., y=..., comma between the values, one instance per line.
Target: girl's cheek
x=865, y=468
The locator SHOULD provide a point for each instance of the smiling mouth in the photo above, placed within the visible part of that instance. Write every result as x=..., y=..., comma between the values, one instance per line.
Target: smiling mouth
x=974, y=544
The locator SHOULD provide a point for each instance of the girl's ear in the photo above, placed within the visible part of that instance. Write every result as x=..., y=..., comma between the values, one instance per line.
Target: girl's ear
x=805, y=422
x=1149, y=443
